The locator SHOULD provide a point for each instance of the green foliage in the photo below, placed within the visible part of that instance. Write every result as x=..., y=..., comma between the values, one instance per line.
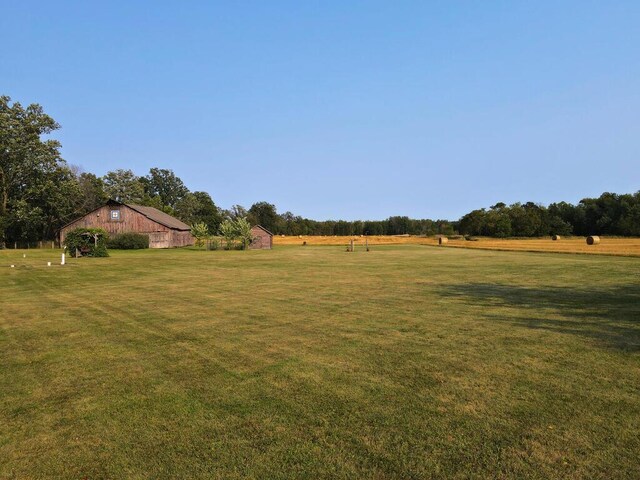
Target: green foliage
x=213, y=243
x=37, y=189
x=201, y=232
x=235, y=212
x=373, y=228
x=228, y=232
x=92, y=194
x=609, y=214
x=243, y=230
x=236, y=233
x=263, y=213
x=198, y=207
x=99, y=251
x=290, y=224
x=24, y=221
x=165, y=185
x=88, y=241
x=123, y=186
x=128, y=241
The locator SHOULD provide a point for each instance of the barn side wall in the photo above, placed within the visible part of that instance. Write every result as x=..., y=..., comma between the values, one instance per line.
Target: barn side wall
x=261, y=239
x=181, y=238
x=160, y=236
x=159, y=239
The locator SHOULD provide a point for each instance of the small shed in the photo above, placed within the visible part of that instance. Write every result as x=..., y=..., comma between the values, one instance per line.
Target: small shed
x=164, y=231
x=262, y=239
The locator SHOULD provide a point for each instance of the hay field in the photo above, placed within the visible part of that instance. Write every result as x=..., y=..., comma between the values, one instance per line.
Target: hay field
x=344, y=240
x=608, y=246
x=402, y=362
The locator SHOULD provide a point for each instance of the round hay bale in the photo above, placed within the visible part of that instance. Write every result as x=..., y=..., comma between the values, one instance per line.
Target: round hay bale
x=442, y=240
x=593, y=240
x=555, y=237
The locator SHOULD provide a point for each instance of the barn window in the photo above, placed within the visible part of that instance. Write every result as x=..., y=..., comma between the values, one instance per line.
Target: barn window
x=115, y=215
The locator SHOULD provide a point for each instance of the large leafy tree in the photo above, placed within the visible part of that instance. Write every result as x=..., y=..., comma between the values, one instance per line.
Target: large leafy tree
x=235, y=212
x=263, y=213
x=526, y=220
x=291, y=224
x=37, y=189
x=123, y=186
x=398, y=225
x=56, y=193
x=92, y=192
x=237, y=233
x=165, y=185
x=198, y=207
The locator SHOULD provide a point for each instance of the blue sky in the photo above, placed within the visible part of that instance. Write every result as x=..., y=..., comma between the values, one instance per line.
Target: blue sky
x=341, y=109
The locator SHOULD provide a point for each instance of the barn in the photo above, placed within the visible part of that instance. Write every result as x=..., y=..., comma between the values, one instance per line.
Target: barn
x=262, y=239
x=164, y=231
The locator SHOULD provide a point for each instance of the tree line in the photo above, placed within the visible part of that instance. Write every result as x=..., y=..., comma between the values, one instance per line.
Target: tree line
x=609, y=214
x=40, y=192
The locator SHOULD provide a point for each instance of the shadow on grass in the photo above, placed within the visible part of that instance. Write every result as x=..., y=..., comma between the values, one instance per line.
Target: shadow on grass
x=611, y=316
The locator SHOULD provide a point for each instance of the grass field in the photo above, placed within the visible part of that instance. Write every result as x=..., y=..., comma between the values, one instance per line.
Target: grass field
x=610, y=246
x=403, y=362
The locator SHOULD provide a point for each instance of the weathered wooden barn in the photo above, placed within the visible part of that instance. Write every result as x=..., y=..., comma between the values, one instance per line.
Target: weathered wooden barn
x=164, y=231
x=262, y=238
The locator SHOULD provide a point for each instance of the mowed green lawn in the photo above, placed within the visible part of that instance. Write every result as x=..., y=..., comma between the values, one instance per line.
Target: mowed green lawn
x=311, y=362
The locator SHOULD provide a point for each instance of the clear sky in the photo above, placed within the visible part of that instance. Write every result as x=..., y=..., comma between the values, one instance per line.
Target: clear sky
x=341, y=109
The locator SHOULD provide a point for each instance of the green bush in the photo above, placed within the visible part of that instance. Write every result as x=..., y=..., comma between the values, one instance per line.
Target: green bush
x=213, y=243
x=200, y=231
x=88, y=241
x=128, y=241
x=236, y=233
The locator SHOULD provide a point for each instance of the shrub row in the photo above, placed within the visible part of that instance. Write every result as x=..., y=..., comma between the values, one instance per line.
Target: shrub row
x=128, y=241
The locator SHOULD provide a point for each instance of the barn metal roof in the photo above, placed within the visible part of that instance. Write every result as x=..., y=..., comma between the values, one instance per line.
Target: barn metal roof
x=159, y=217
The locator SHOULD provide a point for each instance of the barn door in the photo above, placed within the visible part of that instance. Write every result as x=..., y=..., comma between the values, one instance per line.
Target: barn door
x=158, y=240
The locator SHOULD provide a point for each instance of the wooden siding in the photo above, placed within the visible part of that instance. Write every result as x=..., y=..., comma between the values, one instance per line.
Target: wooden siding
x=160, y=236
x=159, y=239
x=262, y=240
x=181, y=238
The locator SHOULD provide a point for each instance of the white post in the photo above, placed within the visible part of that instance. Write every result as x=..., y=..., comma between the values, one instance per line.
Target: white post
x=62, y=262
x=48, y=264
